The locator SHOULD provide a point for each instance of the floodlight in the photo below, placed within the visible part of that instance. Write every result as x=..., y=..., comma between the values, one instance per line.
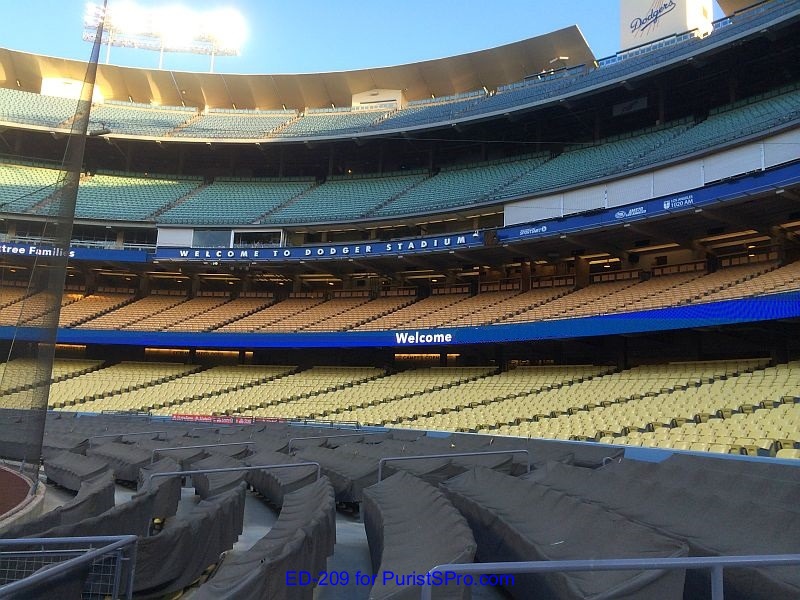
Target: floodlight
x=227, y=27
x=170, y=28
x=130, y=19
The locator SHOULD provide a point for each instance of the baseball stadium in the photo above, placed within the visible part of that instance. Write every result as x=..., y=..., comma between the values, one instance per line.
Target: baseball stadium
x=517, y=323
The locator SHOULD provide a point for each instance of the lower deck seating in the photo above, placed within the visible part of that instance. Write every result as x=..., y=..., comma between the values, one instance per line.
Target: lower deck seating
x=300, y=541
x=188, y=544
x=411, y=527
x=673, y=498
x=275, y=484
x=70, y=470
x=515, y=520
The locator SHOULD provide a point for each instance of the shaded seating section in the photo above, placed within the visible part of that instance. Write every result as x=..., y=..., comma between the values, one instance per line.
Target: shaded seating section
x=55, y=443
x=188, y=544
x=786, y=277
x=185, y=311
x=237, y=124
x=569, y=304
x=300, y=540
x=272, y=315
x=11, y=294
x=359, y=313
x=32, y=310
x=223, y=314
x=344, y=198
x=516, y=520
x=133, y=312
x=343, y=402
x=425, y=310
x=703, y=288
x=235, y=201
x=185, y=457
x=431, y=470
x=122, y=197
x=90, y=306
x=549, y=298
x=579, y=164
x=330, y=122
x=652, y=293
x=139, y=119
x=421, y=112
x=319, y=315
x=708, y=505
x=411, y=527
x=24, y=186
x=453, y=187
x=545, y=291
x=475, y=310
x=727, y=124
x=767, y=484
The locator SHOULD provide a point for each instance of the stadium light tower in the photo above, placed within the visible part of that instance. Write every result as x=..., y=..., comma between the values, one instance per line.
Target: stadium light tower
x=167, y=28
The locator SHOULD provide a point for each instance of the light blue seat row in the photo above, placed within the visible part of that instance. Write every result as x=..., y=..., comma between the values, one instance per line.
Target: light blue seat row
x=585, y=163
x=139, y=119
x=22, y=187
x=17, y=106
x=234, y=201
x=114, y=197
x=729, y=125
x=451, y=188
x=236, y=124
x=330, y=123
x=344, y=198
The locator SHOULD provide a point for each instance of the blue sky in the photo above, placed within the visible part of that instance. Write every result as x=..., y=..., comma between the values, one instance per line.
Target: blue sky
x=331, y=35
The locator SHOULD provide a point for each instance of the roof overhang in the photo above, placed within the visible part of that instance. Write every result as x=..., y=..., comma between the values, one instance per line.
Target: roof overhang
x=440, y=77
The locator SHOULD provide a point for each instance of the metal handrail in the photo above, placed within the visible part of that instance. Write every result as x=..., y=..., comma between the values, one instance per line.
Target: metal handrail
x=234, y=469
x=450, y=455
x=115, y=544
x=715, y=563
x=108, y=435
x=327, y=437
x=153, y=454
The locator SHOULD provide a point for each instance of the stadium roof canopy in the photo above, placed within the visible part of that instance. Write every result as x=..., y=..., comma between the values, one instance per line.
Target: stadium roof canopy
x=440, y=77
x=731, y=6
